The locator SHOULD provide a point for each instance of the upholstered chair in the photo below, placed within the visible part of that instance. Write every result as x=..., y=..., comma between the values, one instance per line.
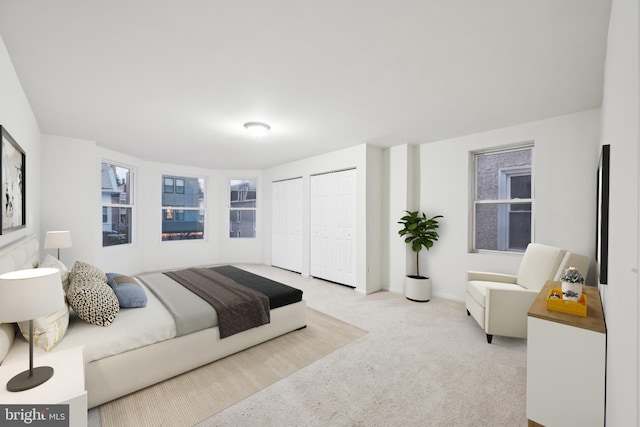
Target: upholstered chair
x=500, y=302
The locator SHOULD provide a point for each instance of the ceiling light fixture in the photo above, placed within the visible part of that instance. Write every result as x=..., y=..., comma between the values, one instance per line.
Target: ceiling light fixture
x=257, y=129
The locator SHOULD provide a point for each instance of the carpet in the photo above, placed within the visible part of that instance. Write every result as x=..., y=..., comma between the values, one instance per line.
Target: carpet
x=205, y=391
x=420, y=364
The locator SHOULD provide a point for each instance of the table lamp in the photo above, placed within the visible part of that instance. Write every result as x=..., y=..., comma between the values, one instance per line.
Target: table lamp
x=57, y=240
x=26, y=295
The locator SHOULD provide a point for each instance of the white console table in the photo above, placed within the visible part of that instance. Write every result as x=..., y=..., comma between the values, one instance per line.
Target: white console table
x=566, y=361
x=65, y=387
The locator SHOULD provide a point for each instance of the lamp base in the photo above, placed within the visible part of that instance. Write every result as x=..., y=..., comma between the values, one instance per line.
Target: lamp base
x=23, y=381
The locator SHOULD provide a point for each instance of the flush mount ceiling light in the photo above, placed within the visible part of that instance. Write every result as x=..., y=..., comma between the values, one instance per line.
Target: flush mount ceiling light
x=257, y=129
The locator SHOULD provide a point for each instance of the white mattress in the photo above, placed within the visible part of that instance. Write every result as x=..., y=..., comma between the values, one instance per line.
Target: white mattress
x=132, y=328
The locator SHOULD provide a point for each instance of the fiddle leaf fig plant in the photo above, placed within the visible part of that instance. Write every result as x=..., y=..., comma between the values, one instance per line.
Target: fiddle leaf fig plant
x=420, y=232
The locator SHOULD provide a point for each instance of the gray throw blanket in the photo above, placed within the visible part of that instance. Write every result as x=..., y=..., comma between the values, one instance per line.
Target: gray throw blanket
x=239, y=308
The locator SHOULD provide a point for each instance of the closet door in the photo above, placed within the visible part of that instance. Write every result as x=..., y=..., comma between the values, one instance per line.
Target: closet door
x=320, y=219
x=332, y=219
x=344, y=245
x=286, y=235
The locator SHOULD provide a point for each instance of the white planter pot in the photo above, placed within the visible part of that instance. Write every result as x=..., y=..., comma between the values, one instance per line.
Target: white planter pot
x=571, y=291
x=417, y=289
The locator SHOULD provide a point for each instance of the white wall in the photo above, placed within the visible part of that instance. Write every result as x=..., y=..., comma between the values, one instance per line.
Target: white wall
x=373, y=221
x=16, y=116
x=621, y=296
x=368, y=162
x=217, y=247
x=72, y=158
x=401, y=198
x=564, y=169
x=71, y=201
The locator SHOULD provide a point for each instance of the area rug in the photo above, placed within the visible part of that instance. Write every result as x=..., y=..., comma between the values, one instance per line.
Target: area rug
x=198, y=394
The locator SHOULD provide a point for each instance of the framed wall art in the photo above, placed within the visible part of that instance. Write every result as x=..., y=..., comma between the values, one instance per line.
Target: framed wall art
x=12, y=169
x=602, y=218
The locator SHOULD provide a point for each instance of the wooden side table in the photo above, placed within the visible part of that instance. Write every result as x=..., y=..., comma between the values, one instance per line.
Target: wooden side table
x=65, y=387
x=566, y=362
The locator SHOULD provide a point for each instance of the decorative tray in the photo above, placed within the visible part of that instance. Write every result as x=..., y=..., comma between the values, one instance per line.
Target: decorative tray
x=565, y=306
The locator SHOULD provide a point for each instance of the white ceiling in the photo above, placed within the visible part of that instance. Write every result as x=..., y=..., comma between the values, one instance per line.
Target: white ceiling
x=174, y=81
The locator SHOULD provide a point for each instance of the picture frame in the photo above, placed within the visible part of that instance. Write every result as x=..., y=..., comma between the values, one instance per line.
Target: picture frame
x=602, y=218
x=13, y=213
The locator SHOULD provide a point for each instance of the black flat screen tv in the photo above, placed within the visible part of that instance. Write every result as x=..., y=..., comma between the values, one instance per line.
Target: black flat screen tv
x=602, y=218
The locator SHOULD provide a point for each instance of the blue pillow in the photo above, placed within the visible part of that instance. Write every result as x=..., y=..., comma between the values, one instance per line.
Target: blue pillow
x=129, y=292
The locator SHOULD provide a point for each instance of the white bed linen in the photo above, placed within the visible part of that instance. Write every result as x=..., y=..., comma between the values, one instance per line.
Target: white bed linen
x=132, y=328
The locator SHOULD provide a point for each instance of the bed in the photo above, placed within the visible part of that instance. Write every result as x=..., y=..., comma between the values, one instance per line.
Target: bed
x=144, y=346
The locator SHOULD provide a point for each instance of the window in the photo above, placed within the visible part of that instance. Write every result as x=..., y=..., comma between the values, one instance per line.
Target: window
x=168, y=185
x=502, y=200
x=242, y=208
x=179, y=186
x=183, y=208
x=117, y=204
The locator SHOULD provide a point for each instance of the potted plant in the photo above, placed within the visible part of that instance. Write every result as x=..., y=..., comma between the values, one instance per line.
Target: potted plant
x=420, y=232
x=572, y=282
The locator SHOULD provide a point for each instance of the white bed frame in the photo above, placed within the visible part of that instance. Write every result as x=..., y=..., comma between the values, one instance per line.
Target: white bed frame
x=115, y=376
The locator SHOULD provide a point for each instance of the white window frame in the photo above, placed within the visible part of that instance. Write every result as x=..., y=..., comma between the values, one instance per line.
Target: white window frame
x=130, y=205
x=504, y=193
x=503, y=196
x=232, y=208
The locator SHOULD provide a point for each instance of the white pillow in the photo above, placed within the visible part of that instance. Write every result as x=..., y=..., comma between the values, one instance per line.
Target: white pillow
x=48, y=330
x=7, y=334
x=52, y=262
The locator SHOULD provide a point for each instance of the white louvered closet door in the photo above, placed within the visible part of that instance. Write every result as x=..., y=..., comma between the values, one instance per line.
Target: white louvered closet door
x=333, y=217
x=286, y=240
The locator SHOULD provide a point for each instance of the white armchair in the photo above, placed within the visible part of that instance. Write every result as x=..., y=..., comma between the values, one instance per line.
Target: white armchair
x=500, y=302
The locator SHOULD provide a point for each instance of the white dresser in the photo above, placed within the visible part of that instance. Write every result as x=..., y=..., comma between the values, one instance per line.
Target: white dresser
x=566, y=362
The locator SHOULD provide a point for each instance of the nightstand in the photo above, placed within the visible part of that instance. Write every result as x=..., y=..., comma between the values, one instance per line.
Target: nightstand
x=65, y=387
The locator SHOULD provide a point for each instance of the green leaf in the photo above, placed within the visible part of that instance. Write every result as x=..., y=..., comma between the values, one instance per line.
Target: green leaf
x=419, y=231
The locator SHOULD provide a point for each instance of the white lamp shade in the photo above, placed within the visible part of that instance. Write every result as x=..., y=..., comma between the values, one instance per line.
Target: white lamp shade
x=57, y=239
x=29, y=294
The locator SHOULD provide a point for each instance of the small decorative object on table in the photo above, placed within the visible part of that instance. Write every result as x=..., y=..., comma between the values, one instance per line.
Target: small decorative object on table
x=554, y=294
x=556, y=303
x=572, y=282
